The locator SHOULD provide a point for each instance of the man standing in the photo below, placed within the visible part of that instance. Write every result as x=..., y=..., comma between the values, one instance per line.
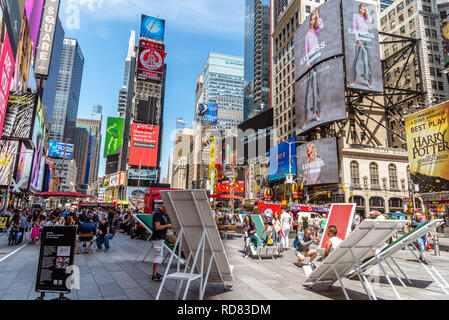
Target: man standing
x=355, y=221
x=422, y=242
x=161, y=225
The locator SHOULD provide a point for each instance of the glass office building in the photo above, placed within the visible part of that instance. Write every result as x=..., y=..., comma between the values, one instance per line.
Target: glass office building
x=224, y=85
x=257, y=57
x=68, y=89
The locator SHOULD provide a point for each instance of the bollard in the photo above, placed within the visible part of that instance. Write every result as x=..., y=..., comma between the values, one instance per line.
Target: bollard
x=436, y=245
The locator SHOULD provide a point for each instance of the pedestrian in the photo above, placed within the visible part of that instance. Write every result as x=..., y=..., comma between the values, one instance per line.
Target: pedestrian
x=277, y=228
x=286, y=225
x=418, y=221
x=35, y=232
x=161, y=225
x=316, y=223
x=355, y=221
x=333, y=241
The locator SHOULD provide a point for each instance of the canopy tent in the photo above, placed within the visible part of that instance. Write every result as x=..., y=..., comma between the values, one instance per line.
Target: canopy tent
x=61, y=194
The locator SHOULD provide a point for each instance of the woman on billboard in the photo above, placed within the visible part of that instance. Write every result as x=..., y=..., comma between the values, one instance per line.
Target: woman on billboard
x=360, y=27
x=312, y=169
x=312, y=47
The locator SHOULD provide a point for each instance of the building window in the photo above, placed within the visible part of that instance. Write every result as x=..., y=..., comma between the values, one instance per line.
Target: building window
x=412, y=23
x=410, y=10
x=432, y=71
x=393, y=24
x=440, y=86
x=434, y=34
x=355, y=174
x=426, y=20
x=402, y=30
x=432, y=22
x=308, y=10
x=430, y=58
x=390, y=14
x=434, y=85
x=427, y=31
x=426, y=8
x=395, y=203
x=374, y=174
x=429, y=45
x=377, y=202
x=393, y=176
x=400, y=7
x=383, y=20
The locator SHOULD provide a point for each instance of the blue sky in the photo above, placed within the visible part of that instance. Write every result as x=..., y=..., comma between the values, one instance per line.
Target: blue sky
x=193, y=28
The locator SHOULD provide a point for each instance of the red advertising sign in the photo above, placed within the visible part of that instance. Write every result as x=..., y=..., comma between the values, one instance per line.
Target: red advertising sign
x=6, y=69
x=150, y=60
x=144, y=145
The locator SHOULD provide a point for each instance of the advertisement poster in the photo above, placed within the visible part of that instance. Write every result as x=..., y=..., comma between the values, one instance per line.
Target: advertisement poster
x=38, y=141
x=152, y=28
x=362, y=54
x=318, y=37
x=144, y=145
x=19, y=115
x=318, y=162
x=15, y=10
x=445, y=37
x=8, y=154
x=56, y=150
x=150, y=61
x=23, y=59
x=142, y=174
x=6, y=69
x=136, y=196
x=208, y=113
x=114, y=136
x=428, y=148
x=320, y=96
x=33, y=10
x=56, y=257
x=279, y=165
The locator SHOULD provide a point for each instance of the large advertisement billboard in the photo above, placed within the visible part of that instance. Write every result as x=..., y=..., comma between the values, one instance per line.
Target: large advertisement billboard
x=142, y=174
x=362, y=53
x=318, y=38
x=318, y=162
x=33, y=10
x=14, y=11
x=8, y=156
x=38, y=142
x=150, y=61
x=114, y=136
x=208, y=113
x=144, y=145
x=56, y=150
x=19, y=115
x=24, y=56
x=152, y=28
x=320, y=96
x=7, y=70
x=254, y=137
x=428, y=148
x=46, y=38
x=136, y=196
x=280, y=163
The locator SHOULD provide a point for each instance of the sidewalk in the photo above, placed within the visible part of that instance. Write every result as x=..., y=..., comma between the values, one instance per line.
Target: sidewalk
x=112, y=276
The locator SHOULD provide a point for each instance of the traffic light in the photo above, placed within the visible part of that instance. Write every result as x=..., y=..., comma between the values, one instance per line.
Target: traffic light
x=343, y=188
x=352, y=194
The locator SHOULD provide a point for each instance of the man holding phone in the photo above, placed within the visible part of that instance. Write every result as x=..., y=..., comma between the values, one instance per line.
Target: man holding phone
x=161, y=225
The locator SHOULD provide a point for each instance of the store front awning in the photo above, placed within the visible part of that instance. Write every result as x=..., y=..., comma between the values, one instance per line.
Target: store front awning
x=61, y=195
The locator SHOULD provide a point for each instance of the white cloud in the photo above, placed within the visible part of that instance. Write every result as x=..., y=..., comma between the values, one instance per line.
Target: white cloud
x=196, y=16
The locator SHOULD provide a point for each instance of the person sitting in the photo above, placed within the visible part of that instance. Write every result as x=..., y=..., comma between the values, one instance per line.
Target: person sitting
x=85, y=228
x=268, y=231
x=333, y=241
x=302, y=244
x=104, y=234
x=251, y=233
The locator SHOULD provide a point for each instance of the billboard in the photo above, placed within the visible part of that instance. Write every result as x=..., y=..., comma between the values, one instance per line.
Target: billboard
x=150, y=61
x=147, y=110
x=318, y=162
x=56, y=150
x=320, y=96
x=33, y=10
x=46, y=38
x=144, y=145
x=24, y=56
x=254, y=137
x=136, y=196
x=19, y=115
x=114, y=136
x=112, y=164
x=208, y=112
x=279, y=166
x=38, y=142
x=142, y=174
x=428, y=148
x=7, y=70
x=362, y=53
x=318, y=38
x=152, y=28
x=13, y=16
x=445, y=37
x=8, y=155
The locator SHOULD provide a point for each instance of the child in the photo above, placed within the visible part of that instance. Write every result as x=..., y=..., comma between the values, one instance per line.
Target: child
x=333, y=241
x=268, y=230
x=35, y=233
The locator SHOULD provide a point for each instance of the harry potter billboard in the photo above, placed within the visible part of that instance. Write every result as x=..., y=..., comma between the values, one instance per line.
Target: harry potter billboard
x=428, y=148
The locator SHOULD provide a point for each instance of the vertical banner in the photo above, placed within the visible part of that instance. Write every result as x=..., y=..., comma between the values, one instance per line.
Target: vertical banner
x=361, y=41
x=114, y=136
x=428, y=148
x=6, y=69
x=150, y=60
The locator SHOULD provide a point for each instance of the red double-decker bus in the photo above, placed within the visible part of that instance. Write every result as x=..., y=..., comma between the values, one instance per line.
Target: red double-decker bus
x=153, y=199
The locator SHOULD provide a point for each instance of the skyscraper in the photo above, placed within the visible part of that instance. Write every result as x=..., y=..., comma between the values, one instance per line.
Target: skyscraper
x=224, y=85
x=123, y=93
x=180, y=124
x=82, y=139
x=257, y=57
x=68, y=89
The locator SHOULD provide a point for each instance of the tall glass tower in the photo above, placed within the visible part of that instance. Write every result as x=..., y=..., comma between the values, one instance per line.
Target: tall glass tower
x=68, y=89
x=257, y=57
x=224, y=85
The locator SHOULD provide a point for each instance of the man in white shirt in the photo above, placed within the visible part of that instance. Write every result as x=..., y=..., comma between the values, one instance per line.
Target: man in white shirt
x=286, y=224
x=355, y=221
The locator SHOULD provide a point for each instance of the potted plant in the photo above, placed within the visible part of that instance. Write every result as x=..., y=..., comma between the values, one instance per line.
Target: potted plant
x=305, y=222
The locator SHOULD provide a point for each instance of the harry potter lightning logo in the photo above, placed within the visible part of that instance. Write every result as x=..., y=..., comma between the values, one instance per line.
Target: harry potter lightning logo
x=428, y=147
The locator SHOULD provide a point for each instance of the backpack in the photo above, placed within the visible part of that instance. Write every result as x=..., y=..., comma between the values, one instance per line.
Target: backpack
x=296, y=243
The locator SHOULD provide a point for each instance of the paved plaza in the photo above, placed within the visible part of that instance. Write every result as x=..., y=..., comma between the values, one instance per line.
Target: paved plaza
x=113, y=276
